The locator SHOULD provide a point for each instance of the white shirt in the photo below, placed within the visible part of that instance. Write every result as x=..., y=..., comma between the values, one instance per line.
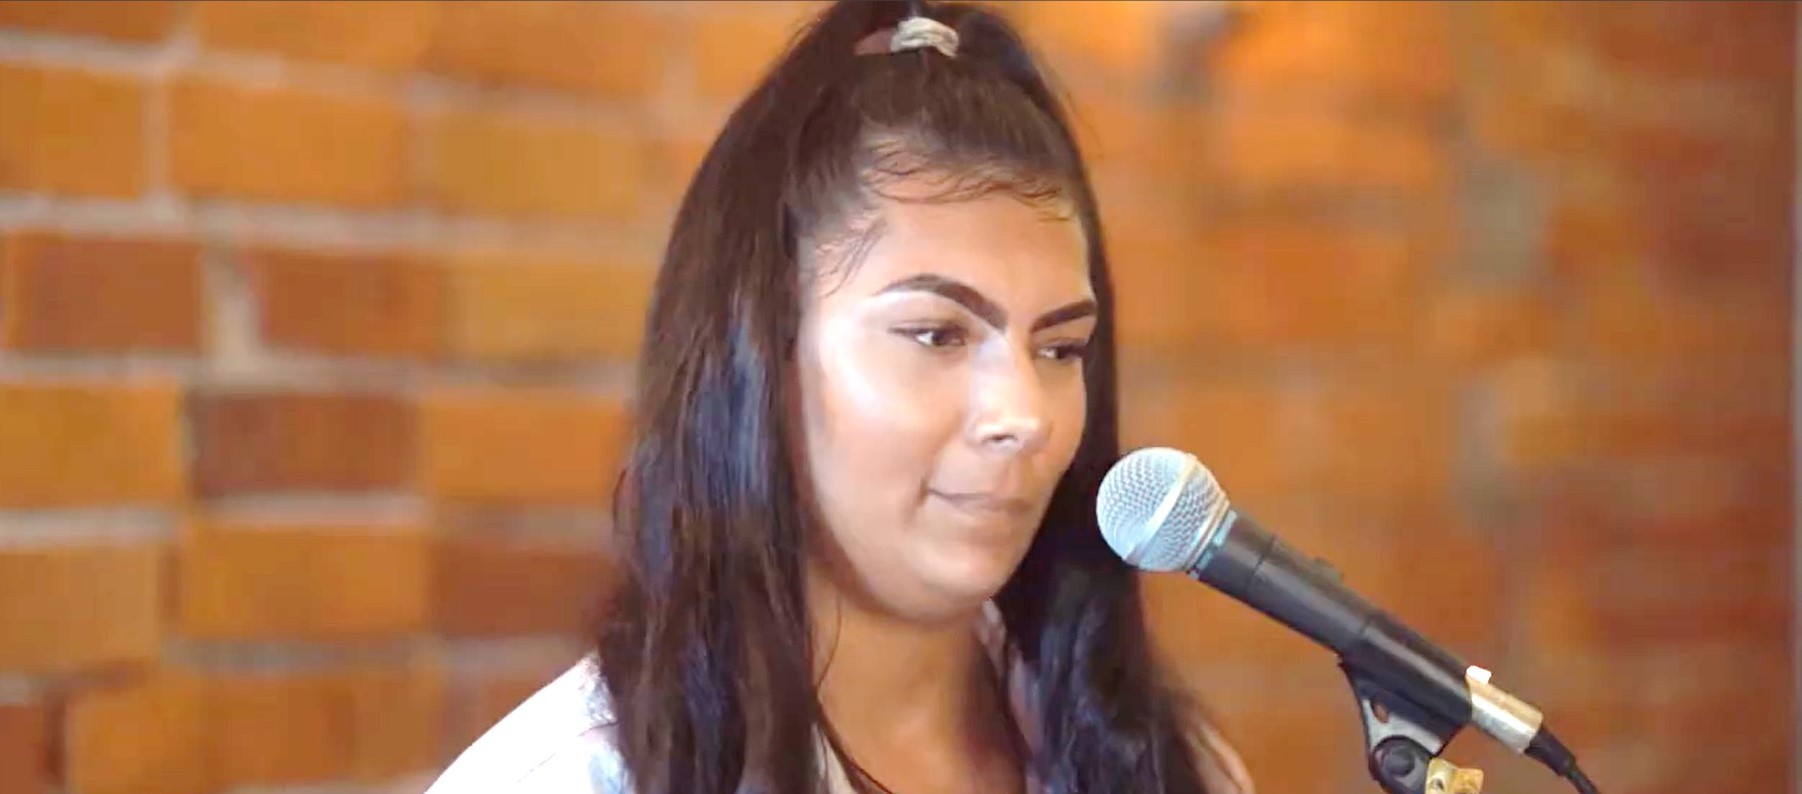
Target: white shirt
x=563, y=740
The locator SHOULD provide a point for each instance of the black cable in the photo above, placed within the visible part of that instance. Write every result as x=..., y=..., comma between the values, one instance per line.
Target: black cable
x=1578, y=779
x=1546, y=749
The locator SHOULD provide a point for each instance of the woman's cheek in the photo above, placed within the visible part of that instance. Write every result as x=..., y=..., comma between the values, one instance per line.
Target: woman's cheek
x=896, y=381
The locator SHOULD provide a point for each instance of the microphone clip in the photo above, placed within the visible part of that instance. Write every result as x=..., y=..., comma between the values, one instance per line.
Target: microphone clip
x=1402, y=742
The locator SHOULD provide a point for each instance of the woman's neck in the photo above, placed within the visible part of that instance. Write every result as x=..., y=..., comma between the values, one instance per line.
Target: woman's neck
x=875, y=668
x=909, y=700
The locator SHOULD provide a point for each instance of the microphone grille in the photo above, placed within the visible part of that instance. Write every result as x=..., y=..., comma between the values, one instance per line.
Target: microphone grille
x=1157, y=506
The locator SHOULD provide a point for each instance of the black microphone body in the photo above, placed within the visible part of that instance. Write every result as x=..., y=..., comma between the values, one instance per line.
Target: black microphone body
x=1254, y=566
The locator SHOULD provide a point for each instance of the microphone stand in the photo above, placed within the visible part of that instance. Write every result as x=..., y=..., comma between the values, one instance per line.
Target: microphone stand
x=1402, y=742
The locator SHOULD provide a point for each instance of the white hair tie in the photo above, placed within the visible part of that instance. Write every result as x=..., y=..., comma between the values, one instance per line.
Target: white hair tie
x=916, y=32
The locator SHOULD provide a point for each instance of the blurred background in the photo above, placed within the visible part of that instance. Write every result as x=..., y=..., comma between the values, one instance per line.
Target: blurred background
x=316, y=321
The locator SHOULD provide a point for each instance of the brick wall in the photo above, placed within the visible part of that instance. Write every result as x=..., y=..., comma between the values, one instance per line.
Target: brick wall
x=315, y=322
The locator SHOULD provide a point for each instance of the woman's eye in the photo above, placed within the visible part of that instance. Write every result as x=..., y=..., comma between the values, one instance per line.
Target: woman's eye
x=1066, y=351
x=935, y=336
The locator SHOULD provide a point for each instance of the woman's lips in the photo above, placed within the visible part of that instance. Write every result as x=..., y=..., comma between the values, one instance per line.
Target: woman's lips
x=989, y=504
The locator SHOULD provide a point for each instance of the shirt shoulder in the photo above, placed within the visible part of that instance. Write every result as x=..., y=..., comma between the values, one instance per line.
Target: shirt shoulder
x=1221, y=768
x=561, y=740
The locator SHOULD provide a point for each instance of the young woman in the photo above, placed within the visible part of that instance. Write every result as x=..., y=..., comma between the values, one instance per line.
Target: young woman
x=875, y=402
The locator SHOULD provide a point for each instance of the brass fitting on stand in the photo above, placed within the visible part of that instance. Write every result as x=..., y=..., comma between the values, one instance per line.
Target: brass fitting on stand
x=1444, y=777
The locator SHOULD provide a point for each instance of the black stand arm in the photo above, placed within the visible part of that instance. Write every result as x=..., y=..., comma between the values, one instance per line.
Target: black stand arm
x=1402, y=742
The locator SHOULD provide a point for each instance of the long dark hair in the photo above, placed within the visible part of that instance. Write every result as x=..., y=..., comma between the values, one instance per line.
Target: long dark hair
x=706, y=648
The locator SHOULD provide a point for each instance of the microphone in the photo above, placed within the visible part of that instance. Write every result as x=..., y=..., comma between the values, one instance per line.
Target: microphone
x=1161, y=510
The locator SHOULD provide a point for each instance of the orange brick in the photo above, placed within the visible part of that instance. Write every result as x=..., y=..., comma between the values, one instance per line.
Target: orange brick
x=1282, y=282
x=1557, y=596
x=491, y=586
x=64, y=293
x=536, y=310
x=1589, y=242
x=1708, y=206
x=1520, y=119
x=1749, y=486
x=1313, y=747
x=24, y=748
x=1704, y=237
x=89, y=444
x=1236, y=430
x=490, y=162
x=1259, y=282
x=1541, y=420
x=1742, y=142
x=1387, y=440
x=1692, y=501
x=1477, y=327
x=399, y=716
x=676, y=157
x=1601, y=589
x=375, y=304
x=272, y=730
x=64, y=609
x=734, y=44
x=302, y=582
x=1123, y=39
x=1306, y=150
x=1306, y=49
x=554, y=44
x=181, y=731
x=1130, y=132
x=315, y=727
x=71, y=132
x=149, y=736
x=280, y=144
x=127, y=20
x=1628, y=417
x=1521, y=26
x=1628, y=623
x=1757, y=732
x=1447, y=584
x=1545, y=113
x=1747, y=41
x=1700, y=386
x=494, y=445
x=1630, y=319
x=305, y=442
x=388, y=36
x=1158, y=279
x=1739, y=389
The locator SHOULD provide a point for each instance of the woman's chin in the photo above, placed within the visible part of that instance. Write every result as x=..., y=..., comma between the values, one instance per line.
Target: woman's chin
x=933, y=583
x=963, y=580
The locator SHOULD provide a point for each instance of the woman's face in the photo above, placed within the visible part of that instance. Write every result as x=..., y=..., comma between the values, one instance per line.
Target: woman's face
x=942, y=398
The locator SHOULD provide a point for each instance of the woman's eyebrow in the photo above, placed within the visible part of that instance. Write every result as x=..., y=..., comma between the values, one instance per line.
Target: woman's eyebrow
x=981, y=305
x=956, y=291
x=1065, y=313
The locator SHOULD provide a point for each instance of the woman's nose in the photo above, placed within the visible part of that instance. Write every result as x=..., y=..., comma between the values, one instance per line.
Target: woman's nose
x=1010, y=409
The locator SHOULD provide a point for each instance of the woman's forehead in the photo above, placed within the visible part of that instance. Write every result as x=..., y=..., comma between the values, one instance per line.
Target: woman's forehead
x=994, y=239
